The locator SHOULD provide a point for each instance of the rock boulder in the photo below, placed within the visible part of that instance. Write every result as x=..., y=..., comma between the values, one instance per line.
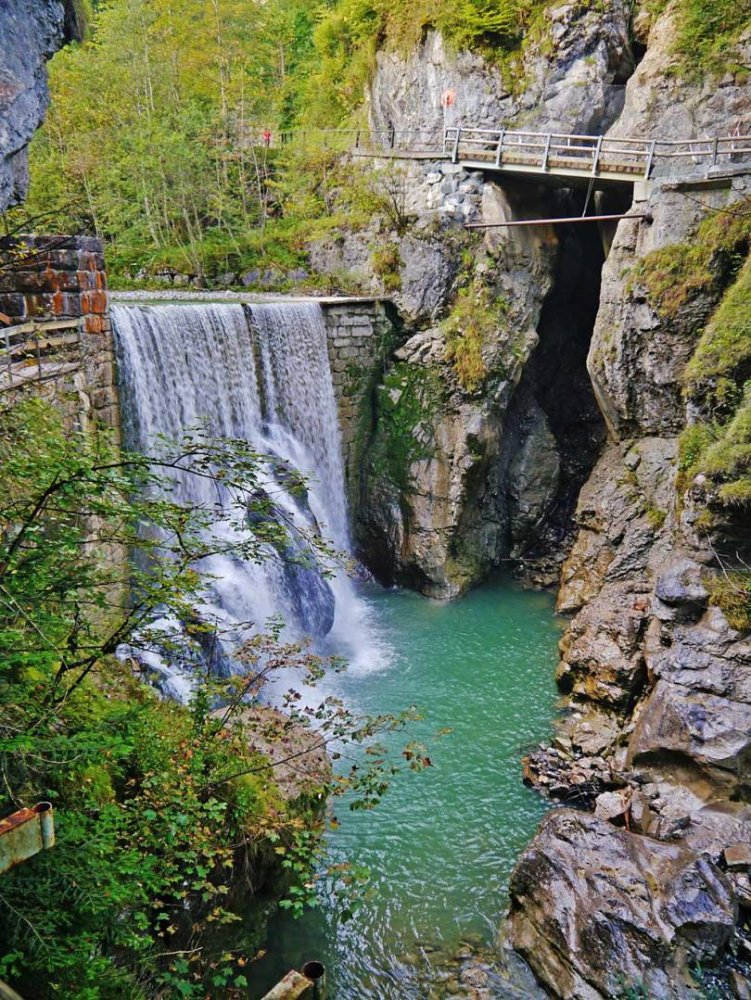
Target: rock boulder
x=596, y=910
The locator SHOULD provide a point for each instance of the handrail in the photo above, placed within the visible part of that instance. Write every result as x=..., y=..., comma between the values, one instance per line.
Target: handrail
x=587, y=154
x=31, y=345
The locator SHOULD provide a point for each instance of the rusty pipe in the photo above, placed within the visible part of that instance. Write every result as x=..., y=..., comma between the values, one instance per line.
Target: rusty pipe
x=26, y=833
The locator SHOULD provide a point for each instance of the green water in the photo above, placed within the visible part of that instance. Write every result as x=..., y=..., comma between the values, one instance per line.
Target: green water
x=441, y=845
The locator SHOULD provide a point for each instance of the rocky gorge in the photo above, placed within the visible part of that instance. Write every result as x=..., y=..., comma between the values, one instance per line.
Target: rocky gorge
x=538, y=405
x=537, y=414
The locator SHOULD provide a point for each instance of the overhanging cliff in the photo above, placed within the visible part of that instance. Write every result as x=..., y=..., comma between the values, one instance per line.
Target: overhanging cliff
x=31, y=32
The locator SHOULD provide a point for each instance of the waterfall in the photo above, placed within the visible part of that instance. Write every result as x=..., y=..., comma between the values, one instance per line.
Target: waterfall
x=259, y=373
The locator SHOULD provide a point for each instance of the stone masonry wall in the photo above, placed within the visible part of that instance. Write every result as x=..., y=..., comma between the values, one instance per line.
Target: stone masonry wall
x=361, y=336
x=59, y=278
x=48, y=278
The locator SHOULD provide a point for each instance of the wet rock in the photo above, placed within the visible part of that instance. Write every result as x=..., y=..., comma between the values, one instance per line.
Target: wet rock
x=595, y=909
x=713, y=731
x=687, y=802
x=423, y=348
x=534, y=474
x=613, y=806
x=707, y=655
x=616, y=539
x=594, y=732
x=738, y=856
x=602, y=654
x=572, y=780
x=739, y=985
x=742, y=886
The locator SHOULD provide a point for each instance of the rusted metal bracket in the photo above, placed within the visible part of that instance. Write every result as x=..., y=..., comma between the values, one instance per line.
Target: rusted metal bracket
x=306, y=985
x=26, y=833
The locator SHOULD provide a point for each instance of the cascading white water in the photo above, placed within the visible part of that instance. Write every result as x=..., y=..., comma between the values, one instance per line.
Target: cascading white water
x=259, y=373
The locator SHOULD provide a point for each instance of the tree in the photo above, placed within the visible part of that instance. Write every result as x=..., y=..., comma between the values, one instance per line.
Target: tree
x=162, y=809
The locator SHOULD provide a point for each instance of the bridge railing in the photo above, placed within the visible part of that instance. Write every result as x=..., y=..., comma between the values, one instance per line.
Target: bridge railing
x=536, y=151
x=363, y=140
x=591, y=154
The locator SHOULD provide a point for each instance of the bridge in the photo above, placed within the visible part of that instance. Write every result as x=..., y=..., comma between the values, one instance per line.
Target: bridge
x=572, y=157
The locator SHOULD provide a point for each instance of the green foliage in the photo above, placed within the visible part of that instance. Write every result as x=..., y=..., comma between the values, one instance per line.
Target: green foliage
x=165, y=165
x=722, y=358
x=656, y=517
x=78, y=18
x=675, y=274
x=163, y=812
x=707, y=32
x=406, y=402
x=693, y=443
x=715, y=265
x=386, y=262
x=163, y=162
x=731, y=592
x=728, y=459
x=139, y=833
x=349, y=33
x=718, y=445
x=145, y=830
x=476, y=316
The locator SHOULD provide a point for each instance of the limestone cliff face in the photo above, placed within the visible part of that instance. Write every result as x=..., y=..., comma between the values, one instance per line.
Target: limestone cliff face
x=576, y=401
x=31, y=32
x=660, y=681
x=486, y=478
x=634, y=574
x=576, y=87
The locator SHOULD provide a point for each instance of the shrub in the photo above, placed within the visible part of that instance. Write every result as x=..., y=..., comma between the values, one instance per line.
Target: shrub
x=386, y=262
x=731, y=592
x=476, y=316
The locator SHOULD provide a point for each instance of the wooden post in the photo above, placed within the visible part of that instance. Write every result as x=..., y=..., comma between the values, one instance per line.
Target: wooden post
x=714, y=151
x=455, y=156
x=596, y=162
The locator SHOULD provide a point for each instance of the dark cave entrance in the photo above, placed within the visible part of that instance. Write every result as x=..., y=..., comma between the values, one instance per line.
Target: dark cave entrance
x=556, y=380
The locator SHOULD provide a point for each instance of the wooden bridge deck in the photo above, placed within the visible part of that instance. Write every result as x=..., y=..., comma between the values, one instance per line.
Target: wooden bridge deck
x=577, y=157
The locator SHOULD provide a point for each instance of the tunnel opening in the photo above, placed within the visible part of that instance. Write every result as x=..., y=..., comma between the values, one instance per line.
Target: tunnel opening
x=556, y=390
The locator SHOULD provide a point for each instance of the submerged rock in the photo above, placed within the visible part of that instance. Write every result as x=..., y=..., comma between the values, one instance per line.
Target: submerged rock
x=596, y=910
